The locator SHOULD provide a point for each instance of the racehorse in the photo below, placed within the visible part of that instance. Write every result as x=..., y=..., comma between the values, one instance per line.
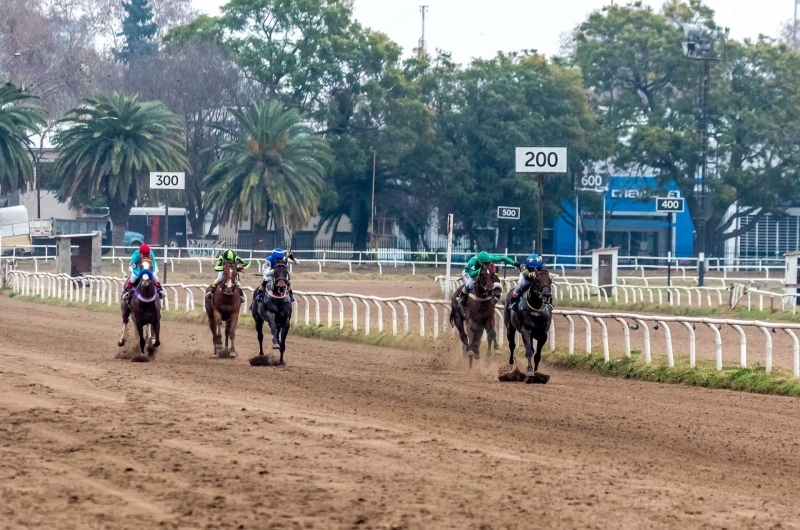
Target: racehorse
x=275, y=308
x=224, y=305
x=145, y=306
x=531, y=318
x=478, y=312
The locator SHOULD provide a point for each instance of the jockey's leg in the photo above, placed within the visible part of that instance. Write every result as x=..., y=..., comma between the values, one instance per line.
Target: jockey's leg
x=158, y=285
x=132, y=279
x=289, y=287
x=213, y=286
x=468, y=282
x=522, y=283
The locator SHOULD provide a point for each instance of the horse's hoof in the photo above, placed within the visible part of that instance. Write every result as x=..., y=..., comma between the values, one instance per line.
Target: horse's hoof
x=156, y=344
x=476, y=356
x=537, y=379
x=511, y=361
x=224, y=354
x=121, y=343
x=276, y=346
x=232, y=354
x=141, y=359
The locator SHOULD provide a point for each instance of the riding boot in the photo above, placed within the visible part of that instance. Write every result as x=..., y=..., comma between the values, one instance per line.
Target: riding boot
x=161, y=293
x=515, y=302
x=211, y=288
x=462, y=296
x=291, y=296
x=126, y=295
x=241, y=294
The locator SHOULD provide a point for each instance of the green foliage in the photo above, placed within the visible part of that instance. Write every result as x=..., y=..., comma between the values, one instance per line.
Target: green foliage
x=20, y=117
x=108, y=147
x=139, y=31
x=273, y=164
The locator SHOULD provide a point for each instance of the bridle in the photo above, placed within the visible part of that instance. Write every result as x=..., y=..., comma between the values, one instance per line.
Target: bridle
x=279, y=285
x=481, y=292
x=231, y=276
x=534, y=289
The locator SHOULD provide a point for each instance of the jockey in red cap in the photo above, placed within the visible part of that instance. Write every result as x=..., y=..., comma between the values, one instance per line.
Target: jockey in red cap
x=143, y=253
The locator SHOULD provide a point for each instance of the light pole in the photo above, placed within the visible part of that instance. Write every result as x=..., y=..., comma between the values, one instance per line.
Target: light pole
x=372, y=205
x=699, y=45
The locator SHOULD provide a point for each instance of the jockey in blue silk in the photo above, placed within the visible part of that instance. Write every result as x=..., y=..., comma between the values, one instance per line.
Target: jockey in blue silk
x=532, y=265
x=277, y=256
x=135, y=268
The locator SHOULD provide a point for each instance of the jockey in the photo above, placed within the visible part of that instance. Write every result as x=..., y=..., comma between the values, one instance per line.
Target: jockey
x=227, y=256
x=277, y=255
x=533, y=264
x=473, y=269
x=135, y=268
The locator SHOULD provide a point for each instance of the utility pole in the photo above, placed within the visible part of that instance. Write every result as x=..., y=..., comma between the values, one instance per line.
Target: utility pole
x=701, y=221
x=372, y=209
x=423, y=45
x=794, y=27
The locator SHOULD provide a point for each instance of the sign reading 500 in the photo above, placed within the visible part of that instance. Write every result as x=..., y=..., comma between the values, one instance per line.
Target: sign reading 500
x=541, y=159
x=164, y=180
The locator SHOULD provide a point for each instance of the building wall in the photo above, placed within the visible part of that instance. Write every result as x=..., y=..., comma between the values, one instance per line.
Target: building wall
x=630, y=220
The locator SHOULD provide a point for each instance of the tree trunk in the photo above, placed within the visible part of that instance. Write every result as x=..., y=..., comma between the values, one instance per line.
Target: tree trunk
x=360, y=233
x=119, y=213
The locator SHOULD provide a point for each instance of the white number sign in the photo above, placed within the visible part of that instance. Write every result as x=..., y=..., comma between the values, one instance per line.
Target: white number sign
x=592, y=182
x=508, y=212
x=541, y=159
x=163, y=180
x=668, y=204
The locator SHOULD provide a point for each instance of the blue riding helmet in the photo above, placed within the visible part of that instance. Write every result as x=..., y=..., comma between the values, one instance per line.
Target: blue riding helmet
x=278, y=253
x=533, y=262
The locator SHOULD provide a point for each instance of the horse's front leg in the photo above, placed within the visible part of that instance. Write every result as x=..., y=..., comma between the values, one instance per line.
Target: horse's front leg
x=284, y=333
x=157, y=333
x=260, y=333
x=475, y=336
x=232, y=323
x=528, y=341
x=126, y=314
x=274, y=330
x=140, y=330
x=540, y=342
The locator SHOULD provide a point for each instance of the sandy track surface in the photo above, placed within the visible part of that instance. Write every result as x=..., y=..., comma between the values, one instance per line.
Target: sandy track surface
x=349, y=436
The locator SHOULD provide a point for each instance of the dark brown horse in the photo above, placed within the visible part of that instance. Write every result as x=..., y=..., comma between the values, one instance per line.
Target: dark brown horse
x=274, y=308
x=532, y=319
x=145, y=306
x=478, y=313
x=224, y=305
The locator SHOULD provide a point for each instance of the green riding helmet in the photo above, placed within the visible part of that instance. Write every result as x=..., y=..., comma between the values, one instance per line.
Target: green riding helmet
x=229, y=255
x=484, y=257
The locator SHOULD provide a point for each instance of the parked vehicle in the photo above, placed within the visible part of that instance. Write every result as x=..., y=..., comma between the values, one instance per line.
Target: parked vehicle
x=15, y=235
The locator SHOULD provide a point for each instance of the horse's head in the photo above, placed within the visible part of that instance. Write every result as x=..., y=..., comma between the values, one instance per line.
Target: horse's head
x=230, y=278
x=542, y=285
x=280, y=278
x=145, y=279
x=485, y=281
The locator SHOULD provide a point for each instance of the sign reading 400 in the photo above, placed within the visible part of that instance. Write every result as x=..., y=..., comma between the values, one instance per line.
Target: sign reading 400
x=166, y=180
x=541, y=159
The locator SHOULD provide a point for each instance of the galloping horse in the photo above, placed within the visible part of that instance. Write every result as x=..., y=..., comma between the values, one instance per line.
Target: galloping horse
x=145, y=306
x=224, y=305
x=478, y=311
x=274, y=308
x=532, y=319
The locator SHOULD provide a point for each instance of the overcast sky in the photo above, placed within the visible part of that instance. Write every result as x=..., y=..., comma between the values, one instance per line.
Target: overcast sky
x=473, y=28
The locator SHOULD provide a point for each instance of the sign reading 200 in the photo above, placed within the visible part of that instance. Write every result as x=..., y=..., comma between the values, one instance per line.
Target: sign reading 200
x=541, y=159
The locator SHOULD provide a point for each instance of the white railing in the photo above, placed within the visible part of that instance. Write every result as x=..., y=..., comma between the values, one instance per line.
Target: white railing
x=332, y=309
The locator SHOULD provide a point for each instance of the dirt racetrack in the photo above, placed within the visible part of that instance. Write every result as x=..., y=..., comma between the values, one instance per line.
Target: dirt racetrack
x=350, y=436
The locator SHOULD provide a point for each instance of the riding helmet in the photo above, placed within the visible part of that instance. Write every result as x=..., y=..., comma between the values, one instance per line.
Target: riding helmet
x=534, y=261
x=484, y=257
x=144, y=250
x=278, y=253
x=229, y=255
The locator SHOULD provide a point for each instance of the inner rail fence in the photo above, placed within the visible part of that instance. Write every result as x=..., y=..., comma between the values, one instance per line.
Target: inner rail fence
x=389, y=256
x=330, y=310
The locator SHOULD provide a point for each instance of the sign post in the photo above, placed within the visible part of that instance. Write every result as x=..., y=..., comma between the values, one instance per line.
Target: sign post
x=449, y=256
x=671, y=205
x=164, y=180
x=541, y=161
x=595, y=184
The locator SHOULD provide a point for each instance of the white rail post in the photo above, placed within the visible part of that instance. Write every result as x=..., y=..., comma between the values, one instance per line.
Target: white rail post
x=626, y=335
x=355, y=313
x=571, y=340
x=405, y=316
x=768, y=338
x=435, y=321
x=366, y=317
x=742, y=345
x=552, y=335
x=330, y=311
x=380, y=316
x=421, y=320
x=588, y=334
x=692, y=352
x=668, y=337
x=647, y=355
x=795, y=351
x=718, y=343
x=603, y=326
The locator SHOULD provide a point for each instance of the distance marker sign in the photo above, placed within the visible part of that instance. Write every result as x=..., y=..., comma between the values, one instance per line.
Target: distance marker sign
x=541, y=159
x=508, y=212
x=670, y=204
x=167, y=180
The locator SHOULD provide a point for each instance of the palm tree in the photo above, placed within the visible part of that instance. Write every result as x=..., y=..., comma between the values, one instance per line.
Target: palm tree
x=273, y=164
x=108, y=148
x=19, y=119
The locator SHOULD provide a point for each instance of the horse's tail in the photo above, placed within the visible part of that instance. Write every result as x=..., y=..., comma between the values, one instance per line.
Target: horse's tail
x=452, y=317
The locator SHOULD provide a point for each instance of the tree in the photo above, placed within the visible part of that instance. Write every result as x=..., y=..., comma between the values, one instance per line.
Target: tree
x=20, y=117
x=108, y=147
x=139, y=30
x=272, y=167
x=202, y=84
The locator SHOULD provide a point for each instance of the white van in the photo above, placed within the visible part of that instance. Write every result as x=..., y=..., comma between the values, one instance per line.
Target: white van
x=15, y=231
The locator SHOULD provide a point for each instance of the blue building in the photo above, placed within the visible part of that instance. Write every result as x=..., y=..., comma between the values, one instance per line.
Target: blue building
x=632, y=223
